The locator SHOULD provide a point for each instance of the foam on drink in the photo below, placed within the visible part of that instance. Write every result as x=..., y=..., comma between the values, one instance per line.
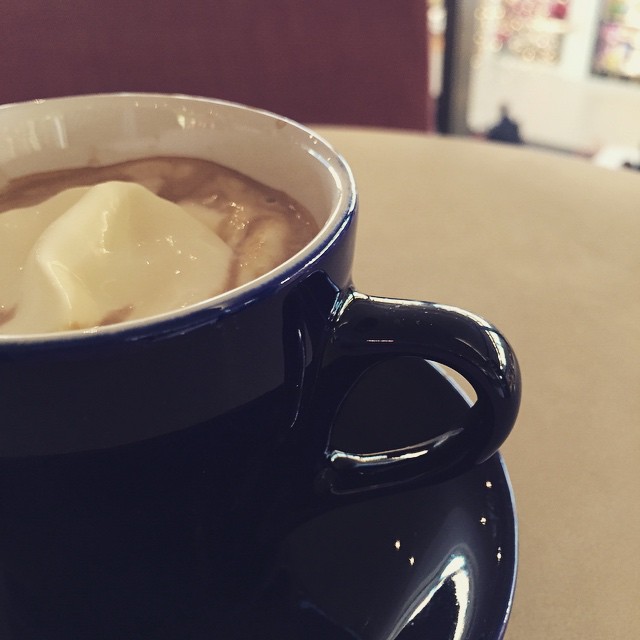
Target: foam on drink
x=116, y=250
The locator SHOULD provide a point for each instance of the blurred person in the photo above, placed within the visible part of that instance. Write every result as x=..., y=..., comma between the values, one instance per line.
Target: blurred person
x=506, y=129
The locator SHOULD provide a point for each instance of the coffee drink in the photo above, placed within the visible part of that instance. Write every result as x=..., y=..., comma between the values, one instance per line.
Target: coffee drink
x=161, y=476
x=99, y=245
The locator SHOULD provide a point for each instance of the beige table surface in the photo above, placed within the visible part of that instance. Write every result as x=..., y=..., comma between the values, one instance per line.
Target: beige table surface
x=548, y=248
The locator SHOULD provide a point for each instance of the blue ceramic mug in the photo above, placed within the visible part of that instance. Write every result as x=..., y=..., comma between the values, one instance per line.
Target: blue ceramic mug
x=150, y=456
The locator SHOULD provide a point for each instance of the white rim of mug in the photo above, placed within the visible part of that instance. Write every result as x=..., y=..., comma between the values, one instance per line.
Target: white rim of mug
x=339, y=218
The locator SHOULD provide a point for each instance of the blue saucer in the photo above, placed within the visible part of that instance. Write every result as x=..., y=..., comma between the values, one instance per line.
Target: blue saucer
x=128, y=543
x=436, y=561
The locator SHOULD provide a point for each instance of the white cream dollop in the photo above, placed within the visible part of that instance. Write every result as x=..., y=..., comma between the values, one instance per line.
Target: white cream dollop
x=115, y=251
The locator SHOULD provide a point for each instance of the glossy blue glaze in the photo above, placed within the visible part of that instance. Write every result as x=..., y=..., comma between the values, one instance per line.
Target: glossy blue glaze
x=138, y=543
x=231, y=471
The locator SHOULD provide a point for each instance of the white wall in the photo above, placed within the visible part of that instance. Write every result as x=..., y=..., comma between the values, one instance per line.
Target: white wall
x=560, y=105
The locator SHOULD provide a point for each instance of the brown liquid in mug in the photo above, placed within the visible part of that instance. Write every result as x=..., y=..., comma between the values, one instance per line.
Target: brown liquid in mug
x=263, y=226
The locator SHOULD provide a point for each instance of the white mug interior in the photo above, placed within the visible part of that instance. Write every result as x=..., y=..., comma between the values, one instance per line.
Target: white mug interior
x=94, y=130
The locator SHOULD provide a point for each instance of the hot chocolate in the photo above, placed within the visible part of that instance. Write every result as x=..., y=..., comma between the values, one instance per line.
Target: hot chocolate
x=98, y=245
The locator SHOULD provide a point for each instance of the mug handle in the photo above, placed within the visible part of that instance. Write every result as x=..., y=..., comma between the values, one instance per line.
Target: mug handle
x=367, y=330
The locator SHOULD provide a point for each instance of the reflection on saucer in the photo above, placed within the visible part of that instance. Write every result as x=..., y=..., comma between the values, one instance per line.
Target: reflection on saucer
x=152, y=558
x=430, y=562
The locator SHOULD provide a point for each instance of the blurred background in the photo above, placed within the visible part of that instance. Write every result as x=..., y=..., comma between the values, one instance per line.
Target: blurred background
x=567, y=71
x=559, y=74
